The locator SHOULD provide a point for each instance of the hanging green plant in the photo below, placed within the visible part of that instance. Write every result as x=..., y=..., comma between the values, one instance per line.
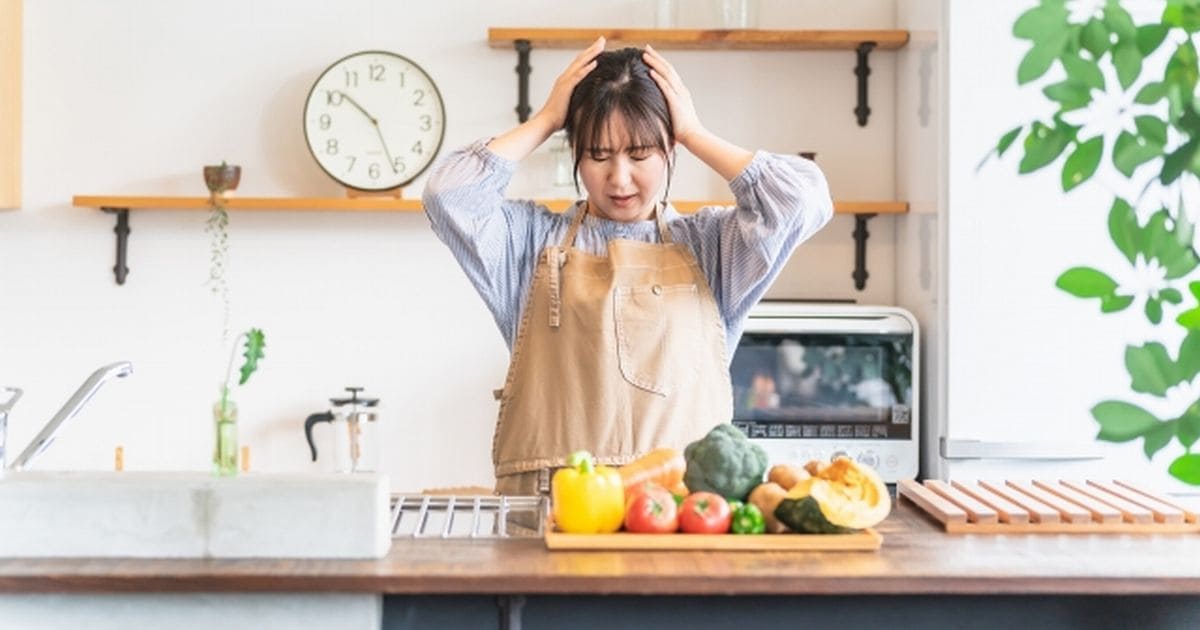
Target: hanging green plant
x=219, y=180
x=1113, y=107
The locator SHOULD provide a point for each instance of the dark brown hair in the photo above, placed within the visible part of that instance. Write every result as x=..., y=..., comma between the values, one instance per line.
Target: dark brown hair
x=620, y=83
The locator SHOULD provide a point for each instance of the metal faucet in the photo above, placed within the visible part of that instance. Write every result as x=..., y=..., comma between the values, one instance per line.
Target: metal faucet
x=44, y=437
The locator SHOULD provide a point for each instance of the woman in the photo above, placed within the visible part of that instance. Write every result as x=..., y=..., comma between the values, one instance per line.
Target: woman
x=621, y=315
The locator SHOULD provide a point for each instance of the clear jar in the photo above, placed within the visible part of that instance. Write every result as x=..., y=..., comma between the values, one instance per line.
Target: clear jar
x=225, y=451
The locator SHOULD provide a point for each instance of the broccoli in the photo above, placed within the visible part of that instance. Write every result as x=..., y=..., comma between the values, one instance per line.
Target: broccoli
x=724, y=462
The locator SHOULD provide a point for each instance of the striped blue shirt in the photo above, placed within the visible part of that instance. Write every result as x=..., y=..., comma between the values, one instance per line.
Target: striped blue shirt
x=781, y=201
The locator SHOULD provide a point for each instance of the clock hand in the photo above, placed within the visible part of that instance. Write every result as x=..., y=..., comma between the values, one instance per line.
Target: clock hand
x=374, y=123
x=359, y=107
x=391, y=162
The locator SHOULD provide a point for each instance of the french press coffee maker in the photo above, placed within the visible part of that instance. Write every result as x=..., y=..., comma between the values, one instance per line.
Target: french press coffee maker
x=355, y=423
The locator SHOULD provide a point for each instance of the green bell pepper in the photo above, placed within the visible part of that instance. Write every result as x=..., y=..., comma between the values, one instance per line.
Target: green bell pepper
x=747, y=519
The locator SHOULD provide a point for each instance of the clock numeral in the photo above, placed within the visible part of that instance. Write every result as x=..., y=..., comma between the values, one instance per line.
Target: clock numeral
x=420, y=97
x=398, y=165
x=351, y=78
x=373, y=170
x=426, y=122
x=325, y=122
x=418, y=149
x=333, y=97
x=352, y=160
x=376, y=71
x=402, y=79
x=331, y=146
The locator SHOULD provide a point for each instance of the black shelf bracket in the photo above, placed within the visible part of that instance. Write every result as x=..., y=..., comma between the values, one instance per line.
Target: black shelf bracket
x=860, y=250
x=863, y=70
x=523, y=68
x=120, y=270
x=510, y=611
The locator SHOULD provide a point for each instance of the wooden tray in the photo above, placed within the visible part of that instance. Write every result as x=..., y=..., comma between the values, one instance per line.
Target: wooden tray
x=1019, y=507
x=865, y=540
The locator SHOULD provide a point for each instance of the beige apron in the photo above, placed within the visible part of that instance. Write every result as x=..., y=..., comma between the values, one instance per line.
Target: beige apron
x=616, y=355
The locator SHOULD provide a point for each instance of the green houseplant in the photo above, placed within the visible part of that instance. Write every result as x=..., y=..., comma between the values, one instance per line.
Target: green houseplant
x=1127, y=98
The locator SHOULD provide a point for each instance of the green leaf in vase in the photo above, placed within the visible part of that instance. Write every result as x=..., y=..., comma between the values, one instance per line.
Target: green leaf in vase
x=1187, y=426
x=1086, y=282
x=1123, y=228
x=255, y=343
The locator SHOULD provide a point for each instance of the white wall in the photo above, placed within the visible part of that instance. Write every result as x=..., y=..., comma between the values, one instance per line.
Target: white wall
x=134, y=97
x=1025, y=360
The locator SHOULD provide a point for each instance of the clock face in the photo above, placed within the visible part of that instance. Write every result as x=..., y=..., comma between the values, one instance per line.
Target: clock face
x=374, y=120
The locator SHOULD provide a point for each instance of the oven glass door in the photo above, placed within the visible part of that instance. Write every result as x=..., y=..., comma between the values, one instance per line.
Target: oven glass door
x=823, y=385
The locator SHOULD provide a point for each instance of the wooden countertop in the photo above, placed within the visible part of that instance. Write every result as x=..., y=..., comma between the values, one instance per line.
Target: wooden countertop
x=917, y=558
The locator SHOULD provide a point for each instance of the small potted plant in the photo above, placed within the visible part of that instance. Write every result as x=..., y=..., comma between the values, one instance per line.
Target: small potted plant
x=225, y=453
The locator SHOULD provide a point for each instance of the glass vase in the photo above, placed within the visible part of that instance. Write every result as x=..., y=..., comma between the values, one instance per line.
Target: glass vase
x=225, y=453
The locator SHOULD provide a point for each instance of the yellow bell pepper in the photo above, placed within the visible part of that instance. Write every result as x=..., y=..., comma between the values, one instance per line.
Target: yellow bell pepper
x=587, y=499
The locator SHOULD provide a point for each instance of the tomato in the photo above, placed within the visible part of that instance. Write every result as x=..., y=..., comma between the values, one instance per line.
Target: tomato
x=705, y=513
x=650, y=509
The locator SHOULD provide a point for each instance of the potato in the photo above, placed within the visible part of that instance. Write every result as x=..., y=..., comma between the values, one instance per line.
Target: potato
x=766, y=496
x=786, y=475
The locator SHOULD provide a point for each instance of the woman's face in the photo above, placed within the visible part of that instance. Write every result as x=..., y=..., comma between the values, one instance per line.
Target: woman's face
x=623, y=179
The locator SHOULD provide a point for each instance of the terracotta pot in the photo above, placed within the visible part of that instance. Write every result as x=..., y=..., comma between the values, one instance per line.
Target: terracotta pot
x=222, y=177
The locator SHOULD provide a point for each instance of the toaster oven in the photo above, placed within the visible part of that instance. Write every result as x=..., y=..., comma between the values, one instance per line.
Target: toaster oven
x=817, y=381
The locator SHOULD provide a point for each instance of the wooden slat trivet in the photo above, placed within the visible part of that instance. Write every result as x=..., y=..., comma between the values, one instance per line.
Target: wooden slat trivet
x=1018, y=507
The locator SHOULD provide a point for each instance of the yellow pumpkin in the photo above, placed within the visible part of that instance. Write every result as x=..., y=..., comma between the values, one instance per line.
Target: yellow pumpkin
x=841, y=496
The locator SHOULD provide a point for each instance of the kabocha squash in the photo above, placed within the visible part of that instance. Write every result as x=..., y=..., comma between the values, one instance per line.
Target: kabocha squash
x=840, y=497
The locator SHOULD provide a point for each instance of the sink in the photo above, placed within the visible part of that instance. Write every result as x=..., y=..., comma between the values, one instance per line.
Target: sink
x=193, y=515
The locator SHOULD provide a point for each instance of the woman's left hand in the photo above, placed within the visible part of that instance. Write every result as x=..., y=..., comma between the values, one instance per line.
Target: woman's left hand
x=679, y=99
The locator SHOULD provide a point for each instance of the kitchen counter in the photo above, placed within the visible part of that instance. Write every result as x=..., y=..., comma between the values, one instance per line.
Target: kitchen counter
x=916, y=559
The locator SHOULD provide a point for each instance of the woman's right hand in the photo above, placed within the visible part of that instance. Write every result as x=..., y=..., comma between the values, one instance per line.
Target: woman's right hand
x=554, y=112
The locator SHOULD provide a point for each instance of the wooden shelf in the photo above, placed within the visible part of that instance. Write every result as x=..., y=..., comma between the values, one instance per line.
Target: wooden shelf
x=383, y=204
x=121, y=205
x=335, y=204
x=685, y=39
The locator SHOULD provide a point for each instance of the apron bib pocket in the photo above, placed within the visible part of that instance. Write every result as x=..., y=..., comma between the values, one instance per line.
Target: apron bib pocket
x=657, y=327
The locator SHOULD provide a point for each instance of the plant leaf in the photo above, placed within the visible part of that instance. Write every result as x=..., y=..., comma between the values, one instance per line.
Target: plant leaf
x=1128, y=62
x=1118, y=21
x=1151, y=368
x=1171, y=247
x=1172, y=296
x=1152, y=129
x=1186, y=468
x=1130, y=152
x=1155, y=439
x=1094, y=38
x=1082, y=71
x=1122, y=421
x=1114, y=303
x=255, y=343
x=1043, y=145
x=1149, y=37
x=1123, y=228
x=1151, y=93
x=1082, y=163
x=1187, y=427
x=1086, y=282
x=1041, y=22
x=1191, y=319
x=1182, y=13
x=1035, y=63
x=1154, y=311
x=1007, y=139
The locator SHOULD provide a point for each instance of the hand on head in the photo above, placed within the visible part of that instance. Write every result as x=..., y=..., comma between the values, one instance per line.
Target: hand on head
x=555, y=109
x=679, y=99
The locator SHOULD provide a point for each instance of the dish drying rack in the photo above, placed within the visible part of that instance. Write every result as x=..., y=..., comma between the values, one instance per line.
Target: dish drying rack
x=467, y=516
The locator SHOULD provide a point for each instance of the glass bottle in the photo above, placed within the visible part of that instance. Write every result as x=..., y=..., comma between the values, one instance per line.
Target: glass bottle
x=225, y=452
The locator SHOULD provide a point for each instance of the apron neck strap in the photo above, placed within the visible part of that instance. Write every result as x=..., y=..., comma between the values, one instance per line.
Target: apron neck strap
x=659, y=218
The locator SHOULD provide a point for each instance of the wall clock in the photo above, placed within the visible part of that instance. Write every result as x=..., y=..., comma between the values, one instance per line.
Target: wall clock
x=374, y=121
